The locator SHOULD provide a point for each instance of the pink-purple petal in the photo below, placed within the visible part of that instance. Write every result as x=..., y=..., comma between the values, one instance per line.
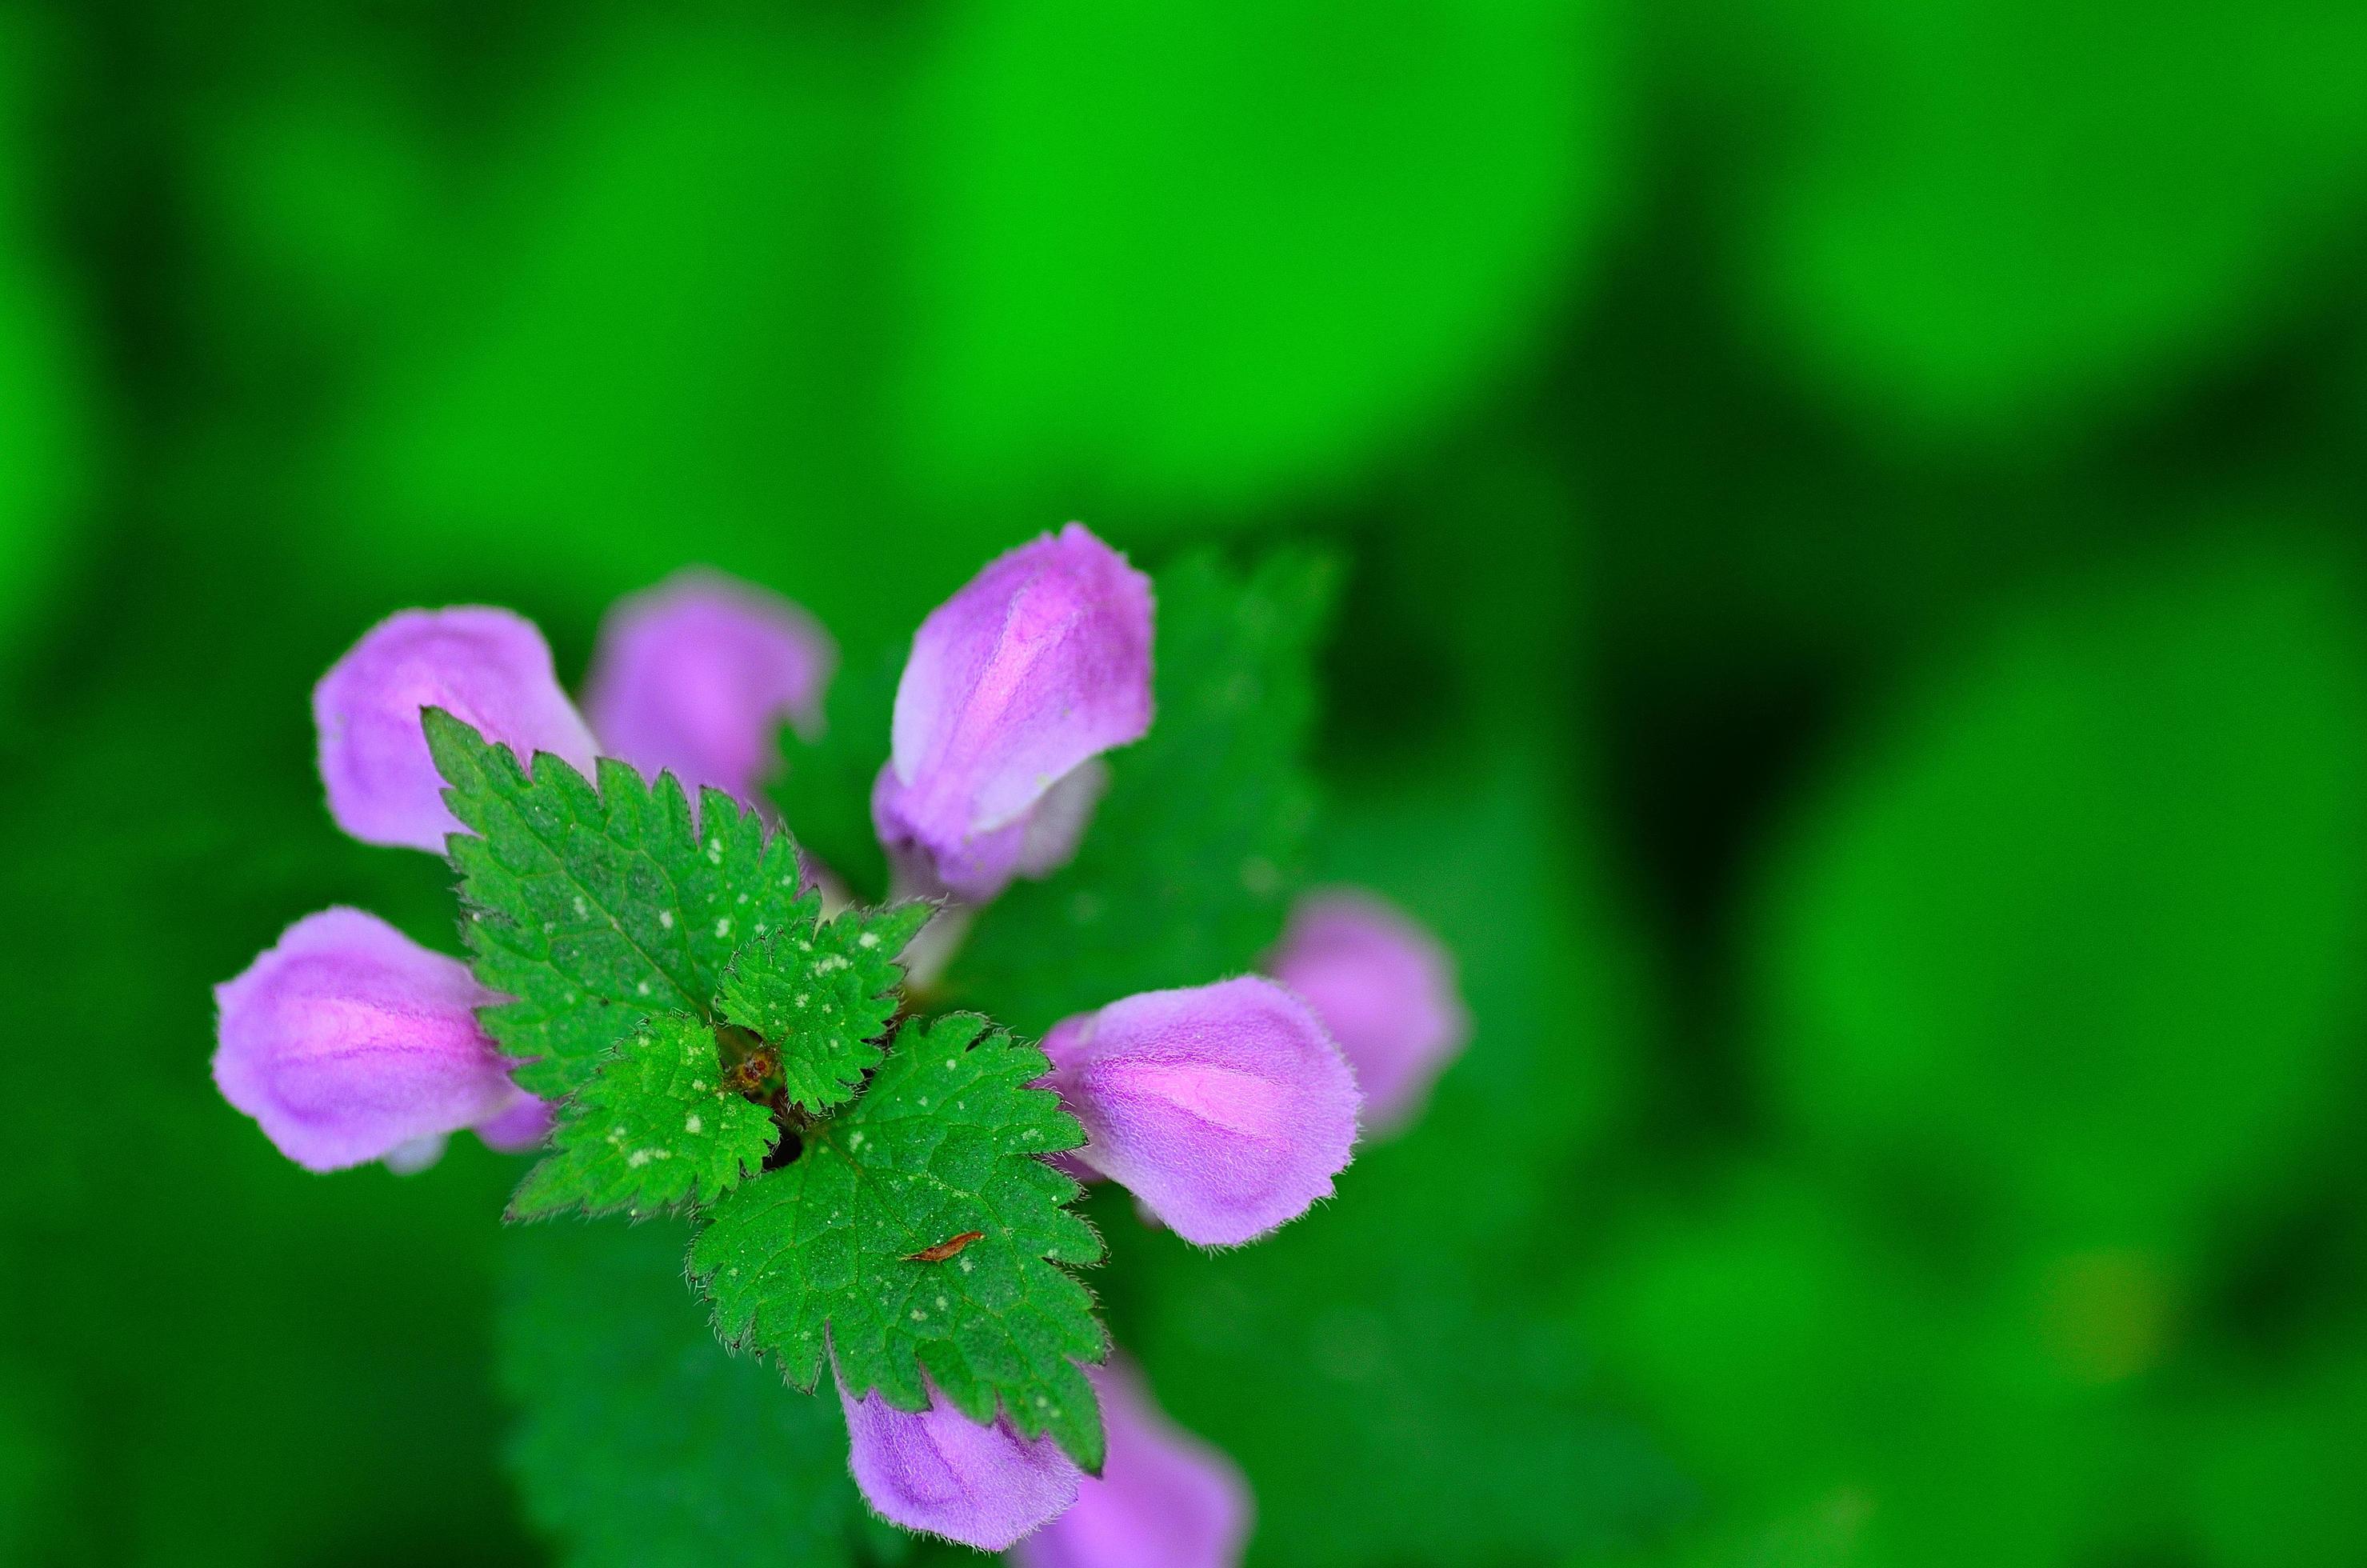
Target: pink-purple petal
x=938, y=1472
x=1054, y=825
x=347, y=1040
x=1164, y=1499
x=1227, y=1109
x=1040, y=663
x=520, y=1126
x=487, y=668
x=1384, y=987
x=695, y=676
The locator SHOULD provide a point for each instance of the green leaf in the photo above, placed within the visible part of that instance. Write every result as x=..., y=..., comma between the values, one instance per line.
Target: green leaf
x=1981, y=219
x=45, y=367
x=1211, y=254
x=594, y=910
x=945, y=1142
x=641, y=1442
x=823, y=995
x=1188, y=867
x=593, y=341
x=654, y=1126
x=2079, y=941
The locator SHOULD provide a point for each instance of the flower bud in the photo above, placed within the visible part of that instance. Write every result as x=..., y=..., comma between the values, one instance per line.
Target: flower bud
x=938, y=1471
x=1385, y=989
x=1164, y=1499
x=487, y=668
x=347, y=1042
x=1038, y=665
x=695, y=676
x=1225, y=1108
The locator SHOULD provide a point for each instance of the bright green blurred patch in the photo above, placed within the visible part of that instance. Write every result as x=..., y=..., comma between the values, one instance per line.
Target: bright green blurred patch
x=1991, y=218
x=44, y=422
x=1216, y=255
x=630, y=322
x=2078, y=940
x=643, y=346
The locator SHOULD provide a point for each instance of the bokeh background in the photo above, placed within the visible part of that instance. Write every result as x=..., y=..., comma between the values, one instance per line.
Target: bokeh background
x=1854, y=632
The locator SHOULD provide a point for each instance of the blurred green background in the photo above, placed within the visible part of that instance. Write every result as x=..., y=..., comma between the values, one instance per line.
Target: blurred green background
x=1854, y=633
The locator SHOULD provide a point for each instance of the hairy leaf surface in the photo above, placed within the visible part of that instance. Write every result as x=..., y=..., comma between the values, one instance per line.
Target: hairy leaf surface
x=654, y=1126
x=822, y=994
x=822, y=1255
x=592, y=909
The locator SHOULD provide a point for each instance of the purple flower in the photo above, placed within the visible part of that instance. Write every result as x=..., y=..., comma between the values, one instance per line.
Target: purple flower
x=1386, y=990
x=938, y=1471
x=348, y=1041
x=486, y=666
x=1164, y=1499
x=1225, y=1108
x=694, y=675
x=1038, y=665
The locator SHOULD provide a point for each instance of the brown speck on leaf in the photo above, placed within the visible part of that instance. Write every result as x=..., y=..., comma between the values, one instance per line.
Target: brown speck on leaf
x=946, y=1248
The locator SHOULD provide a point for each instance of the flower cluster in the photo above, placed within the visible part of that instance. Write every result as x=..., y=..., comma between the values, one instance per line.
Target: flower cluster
x=1225, y=1109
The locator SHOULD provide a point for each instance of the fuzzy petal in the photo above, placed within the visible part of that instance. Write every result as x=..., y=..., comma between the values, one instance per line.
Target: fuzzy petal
x=348, y=1040
x=1386, y=990
x=1040, y=663
x=488, y=667
x=413, y=1155
x=1164, y=1499
x=1225, y=1108
x=940, y=1472
x=695, y=676
x=518, y=1127
x=1056, y=825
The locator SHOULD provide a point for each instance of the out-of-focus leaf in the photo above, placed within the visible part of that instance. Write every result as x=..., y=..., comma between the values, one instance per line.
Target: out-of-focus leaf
x=1843, y=1404
x=2080, y=937
x=2275, y=1484
x=1216, y=253
x=44, y=424
x=650, y=331
x=645, y=1444
x=23, y=1457
x=1983, y=218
